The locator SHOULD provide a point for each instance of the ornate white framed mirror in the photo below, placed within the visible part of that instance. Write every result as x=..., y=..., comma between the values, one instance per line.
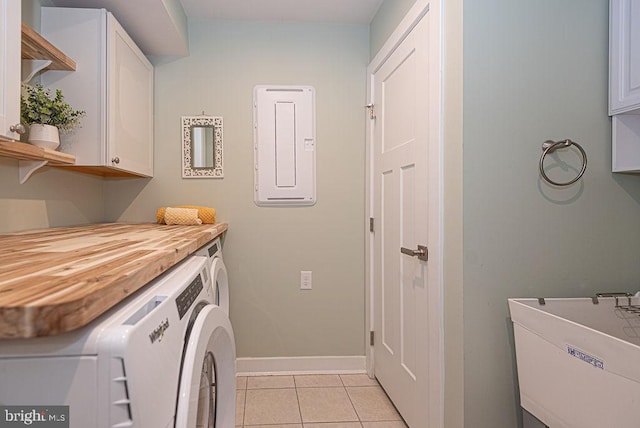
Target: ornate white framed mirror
x=202, y=147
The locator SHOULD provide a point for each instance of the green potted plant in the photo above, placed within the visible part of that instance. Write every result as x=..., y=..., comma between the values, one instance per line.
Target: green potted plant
x=47, y=115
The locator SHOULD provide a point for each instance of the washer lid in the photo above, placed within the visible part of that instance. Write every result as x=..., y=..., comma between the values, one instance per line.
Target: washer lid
x=211, y=337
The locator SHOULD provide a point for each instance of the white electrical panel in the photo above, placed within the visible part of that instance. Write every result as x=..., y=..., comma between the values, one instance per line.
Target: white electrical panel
x=284, y=142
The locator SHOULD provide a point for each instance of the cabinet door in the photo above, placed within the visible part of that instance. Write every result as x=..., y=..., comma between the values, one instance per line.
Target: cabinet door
x=624, y=51
x=81, y=34
x=130, y=105
x=10, y=20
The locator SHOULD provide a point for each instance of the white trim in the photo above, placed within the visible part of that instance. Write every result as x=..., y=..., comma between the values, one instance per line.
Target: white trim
x=300, y=365
x=368, y=244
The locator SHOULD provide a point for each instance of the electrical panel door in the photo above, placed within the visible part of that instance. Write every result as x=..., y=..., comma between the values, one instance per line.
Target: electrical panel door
x=284, y=144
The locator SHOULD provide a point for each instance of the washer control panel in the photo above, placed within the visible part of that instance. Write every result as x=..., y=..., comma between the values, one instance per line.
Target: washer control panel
x=189, y=295
x=213, y=249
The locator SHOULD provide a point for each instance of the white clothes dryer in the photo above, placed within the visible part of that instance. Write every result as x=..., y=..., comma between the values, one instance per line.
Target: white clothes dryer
x=217, y=271
x=165, y=358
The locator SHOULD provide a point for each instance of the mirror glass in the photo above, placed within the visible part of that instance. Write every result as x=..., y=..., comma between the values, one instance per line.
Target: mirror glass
x=201, y=147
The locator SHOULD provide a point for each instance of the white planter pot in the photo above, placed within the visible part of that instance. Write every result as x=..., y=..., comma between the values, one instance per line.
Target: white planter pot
x=44, y=136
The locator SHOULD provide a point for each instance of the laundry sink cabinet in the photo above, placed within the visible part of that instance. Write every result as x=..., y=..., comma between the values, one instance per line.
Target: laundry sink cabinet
x=113, y=84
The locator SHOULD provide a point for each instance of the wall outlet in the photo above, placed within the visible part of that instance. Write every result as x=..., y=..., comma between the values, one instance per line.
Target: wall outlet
x=305, y=280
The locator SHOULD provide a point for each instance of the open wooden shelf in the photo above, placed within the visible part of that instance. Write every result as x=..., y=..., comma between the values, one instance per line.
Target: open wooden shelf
x=41, y=51
x=43, y=56
x=24, y=151
x=36, y=47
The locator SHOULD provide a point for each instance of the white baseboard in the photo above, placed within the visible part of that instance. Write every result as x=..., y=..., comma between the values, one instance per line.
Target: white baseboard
x=300, y=365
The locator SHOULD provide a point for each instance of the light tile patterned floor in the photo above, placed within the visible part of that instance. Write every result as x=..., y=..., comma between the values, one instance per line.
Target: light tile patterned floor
x=314, y=401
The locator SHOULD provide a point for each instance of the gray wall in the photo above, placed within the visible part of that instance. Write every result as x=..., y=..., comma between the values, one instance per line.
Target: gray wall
x=386, y=20
x=50, y=197
x=535, y=71
x=266, y=248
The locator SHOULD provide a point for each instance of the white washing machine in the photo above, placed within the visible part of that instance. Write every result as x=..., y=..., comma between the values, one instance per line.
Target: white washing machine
x=164, y=358
x=217, y=271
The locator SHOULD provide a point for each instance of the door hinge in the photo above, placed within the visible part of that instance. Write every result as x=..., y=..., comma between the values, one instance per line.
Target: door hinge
x=371, y=338
x=371, y=224
x=372, y=111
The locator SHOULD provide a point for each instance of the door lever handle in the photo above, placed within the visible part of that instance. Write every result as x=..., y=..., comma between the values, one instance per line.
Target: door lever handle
x=422, y=252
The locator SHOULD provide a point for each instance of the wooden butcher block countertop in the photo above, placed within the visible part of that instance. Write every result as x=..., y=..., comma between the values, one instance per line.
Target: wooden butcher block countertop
x=56, y=280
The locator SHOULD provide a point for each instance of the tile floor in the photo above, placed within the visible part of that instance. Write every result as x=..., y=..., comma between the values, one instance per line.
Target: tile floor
x=314, y=401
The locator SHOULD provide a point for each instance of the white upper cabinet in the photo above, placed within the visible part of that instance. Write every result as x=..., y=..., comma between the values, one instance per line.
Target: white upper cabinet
x=113, y=83
x=624, y=84
x=10, y=20
x=624, y=56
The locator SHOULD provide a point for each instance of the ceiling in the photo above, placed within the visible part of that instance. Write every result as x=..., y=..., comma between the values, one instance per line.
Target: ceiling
x=160, y=27
x=342, y=11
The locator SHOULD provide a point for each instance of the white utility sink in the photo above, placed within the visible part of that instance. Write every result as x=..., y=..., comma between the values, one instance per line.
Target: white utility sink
x=579, y=360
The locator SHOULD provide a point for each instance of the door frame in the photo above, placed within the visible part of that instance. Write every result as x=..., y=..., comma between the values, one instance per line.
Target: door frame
x=408, y=23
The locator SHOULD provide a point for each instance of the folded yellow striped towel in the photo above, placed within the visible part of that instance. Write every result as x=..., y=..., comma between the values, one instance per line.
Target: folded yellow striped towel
x=184, y=216
x=205, y=214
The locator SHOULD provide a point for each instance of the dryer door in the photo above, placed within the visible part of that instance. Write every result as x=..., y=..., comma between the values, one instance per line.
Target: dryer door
x=207, y=395
x=221, y=283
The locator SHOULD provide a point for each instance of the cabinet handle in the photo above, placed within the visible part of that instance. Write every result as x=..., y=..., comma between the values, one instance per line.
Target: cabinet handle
x=18, y=128
x=115, y=160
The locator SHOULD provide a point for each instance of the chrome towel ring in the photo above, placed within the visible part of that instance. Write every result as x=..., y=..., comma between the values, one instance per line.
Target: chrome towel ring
x=551, y=146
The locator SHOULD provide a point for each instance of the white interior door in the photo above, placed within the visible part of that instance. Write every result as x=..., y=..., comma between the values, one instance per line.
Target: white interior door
x=406, y=193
